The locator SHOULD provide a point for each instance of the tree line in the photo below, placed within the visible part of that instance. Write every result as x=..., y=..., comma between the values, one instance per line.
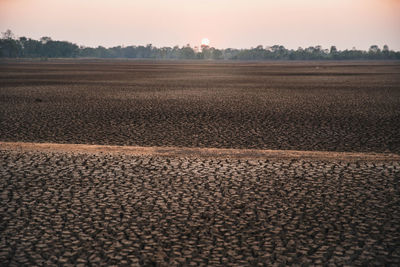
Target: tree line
x=23, y=47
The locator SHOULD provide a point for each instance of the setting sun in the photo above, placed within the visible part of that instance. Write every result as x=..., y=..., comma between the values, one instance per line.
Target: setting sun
x=205, y=41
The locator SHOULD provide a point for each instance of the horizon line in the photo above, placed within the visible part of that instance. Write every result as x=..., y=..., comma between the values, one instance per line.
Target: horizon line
x=199, y=46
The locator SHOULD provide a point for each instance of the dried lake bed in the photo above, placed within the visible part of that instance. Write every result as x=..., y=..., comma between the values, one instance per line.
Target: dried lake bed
x=191, y=163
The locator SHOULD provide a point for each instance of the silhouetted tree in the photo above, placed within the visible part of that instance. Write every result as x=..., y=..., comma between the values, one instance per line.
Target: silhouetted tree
x=46, y=47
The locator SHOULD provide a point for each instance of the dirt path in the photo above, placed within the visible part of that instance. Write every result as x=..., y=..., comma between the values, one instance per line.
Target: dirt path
x=199, y=152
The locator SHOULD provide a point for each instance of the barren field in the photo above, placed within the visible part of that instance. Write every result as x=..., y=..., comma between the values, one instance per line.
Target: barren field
x=332, y=106
x=63, y=208
x=199, y=163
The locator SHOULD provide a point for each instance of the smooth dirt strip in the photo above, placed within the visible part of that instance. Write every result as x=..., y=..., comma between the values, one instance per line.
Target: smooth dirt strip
x=199, y=152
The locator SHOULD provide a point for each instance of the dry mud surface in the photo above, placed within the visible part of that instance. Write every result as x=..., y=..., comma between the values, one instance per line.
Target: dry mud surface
x=323, y=106
x=175, y=198
x=61, y=208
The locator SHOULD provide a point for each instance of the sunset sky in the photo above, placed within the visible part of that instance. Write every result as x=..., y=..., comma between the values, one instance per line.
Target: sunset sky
x=226, y=23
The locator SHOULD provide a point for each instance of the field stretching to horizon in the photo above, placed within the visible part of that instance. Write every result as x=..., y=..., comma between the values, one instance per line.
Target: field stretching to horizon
x=327, y=106
x=185, y=163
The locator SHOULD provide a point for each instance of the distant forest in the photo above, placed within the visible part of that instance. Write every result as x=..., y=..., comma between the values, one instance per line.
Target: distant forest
x=23, y=47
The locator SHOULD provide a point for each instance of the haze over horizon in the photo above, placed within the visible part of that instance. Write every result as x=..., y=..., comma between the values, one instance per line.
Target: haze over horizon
x=226, y=23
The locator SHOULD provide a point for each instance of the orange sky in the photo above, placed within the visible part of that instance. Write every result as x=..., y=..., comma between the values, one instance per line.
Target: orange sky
x=227, y=23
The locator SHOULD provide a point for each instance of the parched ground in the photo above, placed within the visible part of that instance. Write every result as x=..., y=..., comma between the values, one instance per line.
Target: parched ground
x=70, y=209
x=323, y=106
x=199, y=163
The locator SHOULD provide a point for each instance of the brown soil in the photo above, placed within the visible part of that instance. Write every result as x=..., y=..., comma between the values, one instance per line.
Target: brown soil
x=115, y=209
x=313, y=106
x=197, y=163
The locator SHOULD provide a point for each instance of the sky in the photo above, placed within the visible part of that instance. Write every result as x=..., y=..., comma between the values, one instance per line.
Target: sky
x=226, y=23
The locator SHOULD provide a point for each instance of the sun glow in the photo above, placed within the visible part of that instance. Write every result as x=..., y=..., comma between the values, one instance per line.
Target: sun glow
x=205, y=41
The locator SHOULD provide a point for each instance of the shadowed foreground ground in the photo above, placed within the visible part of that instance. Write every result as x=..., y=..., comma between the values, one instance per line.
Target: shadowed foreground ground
x=60, y=208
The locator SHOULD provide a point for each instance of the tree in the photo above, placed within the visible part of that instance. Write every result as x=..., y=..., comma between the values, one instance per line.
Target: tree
x=374, y=49
x=9, y=47
x=45, y=39
x=46, y=47
x=385, y=48
x=7, y=35
x=187, y=52
x=216, y=54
